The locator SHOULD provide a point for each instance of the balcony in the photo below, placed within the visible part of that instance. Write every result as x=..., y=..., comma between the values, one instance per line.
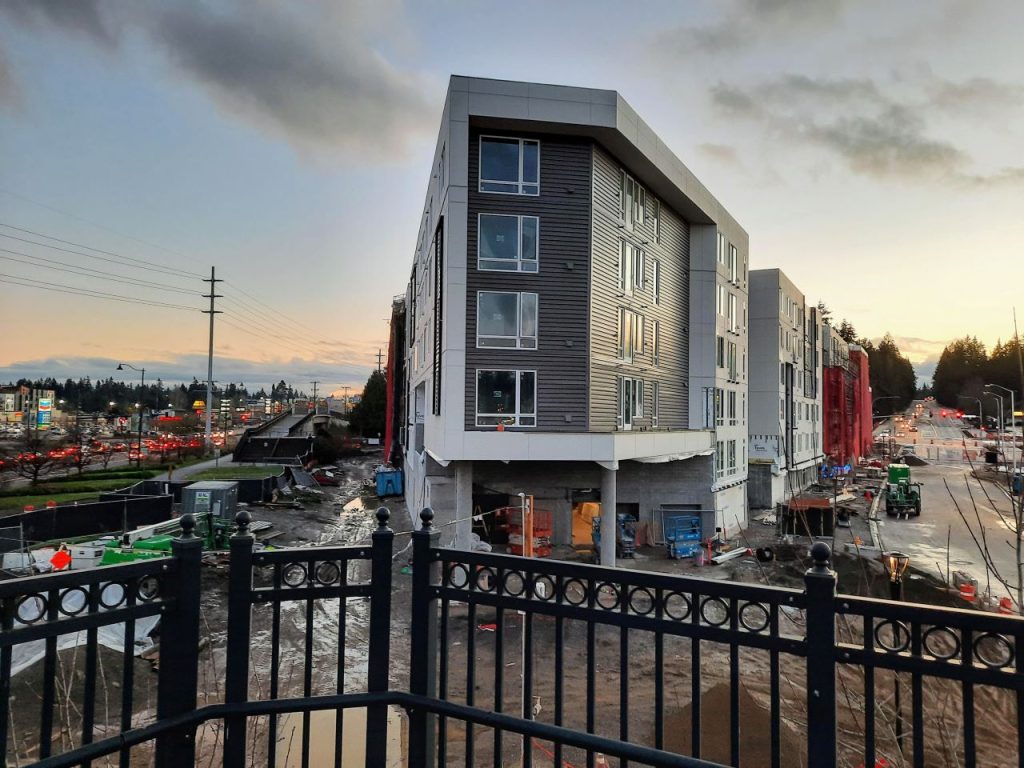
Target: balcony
x=497, y=659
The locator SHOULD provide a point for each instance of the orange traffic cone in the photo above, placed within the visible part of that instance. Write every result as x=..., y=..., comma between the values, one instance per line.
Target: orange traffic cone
x=967, y=592
x=1005, y=605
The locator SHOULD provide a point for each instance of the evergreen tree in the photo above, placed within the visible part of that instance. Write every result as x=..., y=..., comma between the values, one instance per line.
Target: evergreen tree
x=368, y=416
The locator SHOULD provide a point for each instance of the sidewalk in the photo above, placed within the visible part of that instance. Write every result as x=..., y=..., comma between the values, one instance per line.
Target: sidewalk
x=183, y=473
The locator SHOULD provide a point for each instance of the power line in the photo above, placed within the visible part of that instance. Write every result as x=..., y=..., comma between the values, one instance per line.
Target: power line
x=98, y=226
x=85, y=271
x=270, y=309
x=61, y=288
x=124, y=261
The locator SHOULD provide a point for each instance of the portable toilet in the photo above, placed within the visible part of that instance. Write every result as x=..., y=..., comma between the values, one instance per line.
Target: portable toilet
x=217, y=496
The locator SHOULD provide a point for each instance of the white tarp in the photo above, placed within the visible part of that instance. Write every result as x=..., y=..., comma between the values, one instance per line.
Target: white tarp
x=73, y=601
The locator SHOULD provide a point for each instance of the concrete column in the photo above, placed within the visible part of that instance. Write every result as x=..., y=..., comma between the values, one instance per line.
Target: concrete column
x=609, y=522
x=463, y=504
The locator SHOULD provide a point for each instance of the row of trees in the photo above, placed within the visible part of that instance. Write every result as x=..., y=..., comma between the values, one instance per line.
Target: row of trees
x=94, y=396
x=965, y=367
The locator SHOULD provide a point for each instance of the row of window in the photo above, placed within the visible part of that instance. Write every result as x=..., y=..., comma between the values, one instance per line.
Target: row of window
x=633, y=206
x=633, y=271
x=633, y=336
x=630, y=397
x=725, y=408
x=728, y=257
x=509, y=398
x=726, y=306
x=726, y=458
x=725, y=358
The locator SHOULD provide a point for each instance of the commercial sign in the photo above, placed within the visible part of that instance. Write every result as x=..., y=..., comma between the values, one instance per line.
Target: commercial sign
x=44, y=413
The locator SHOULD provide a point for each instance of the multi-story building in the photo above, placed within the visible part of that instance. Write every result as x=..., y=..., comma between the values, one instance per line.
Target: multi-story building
x=560, y=319
x=846, y=399
x=785, y=390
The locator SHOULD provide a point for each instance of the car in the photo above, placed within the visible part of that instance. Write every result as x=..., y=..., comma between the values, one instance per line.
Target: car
x=913, y=429
x=118, y=446
x=327, y=476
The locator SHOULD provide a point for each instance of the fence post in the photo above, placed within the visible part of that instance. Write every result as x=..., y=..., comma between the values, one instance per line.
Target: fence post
x=820, y=582
x=423, y=640
x=179, y=648
x=239, y=639
x=380, y=640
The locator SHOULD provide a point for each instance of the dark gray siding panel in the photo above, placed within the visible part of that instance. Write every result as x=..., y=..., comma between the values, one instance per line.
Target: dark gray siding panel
x=562, y=282
x=672, y=251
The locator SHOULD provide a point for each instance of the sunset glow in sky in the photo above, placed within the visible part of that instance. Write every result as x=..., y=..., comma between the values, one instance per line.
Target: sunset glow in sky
x=872, y=150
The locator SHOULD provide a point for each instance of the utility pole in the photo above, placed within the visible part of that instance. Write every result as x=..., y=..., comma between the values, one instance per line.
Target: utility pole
x=380, y=356
x=315, y=384
x=345, y=390
x=212, y=296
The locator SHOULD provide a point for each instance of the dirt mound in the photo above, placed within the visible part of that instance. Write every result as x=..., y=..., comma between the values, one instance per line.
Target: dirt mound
x=755, y=730
x=913, y=461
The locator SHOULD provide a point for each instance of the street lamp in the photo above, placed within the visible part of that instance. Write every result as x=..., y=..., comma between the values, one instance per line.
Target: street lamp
x=895, y=565
x=1013, y=418
x=142, y=395
x=891, y=442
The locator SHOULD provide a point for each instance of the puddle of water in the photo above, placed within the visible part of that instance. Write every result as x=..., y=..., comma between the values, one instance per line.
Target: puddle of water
x=321, y=739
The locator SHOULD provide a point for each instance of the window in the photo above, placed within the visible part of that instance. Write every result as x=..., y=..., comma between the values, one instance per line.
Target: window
x=656, y=279
x=655, y=404
x=720, y=351
x=719, y=407
x=731, y=408
x=506, y=397
x=730, y=457
x=655, y=340
x=633, y=199
x=731, y=360
x=631, y=267
x=721, y=248
x=719, y=460
x=631, y=401
x=732, y=312
x=720, y=300
x=631, y=334
x=732, y=264
x=511, y=166
x=506, y=320
x=507, y=243
x=656, y=215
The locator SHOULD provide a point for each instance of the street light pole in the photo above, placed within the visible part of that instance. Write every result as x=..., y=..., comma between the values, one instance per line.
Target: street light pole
x=142, y=404
x=895, y=565
x=1013, y=434
x=999, y=430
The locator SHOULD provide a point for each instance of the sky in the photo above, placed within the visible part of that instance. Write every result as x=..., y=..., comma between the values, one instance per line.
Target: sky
x=872, y=151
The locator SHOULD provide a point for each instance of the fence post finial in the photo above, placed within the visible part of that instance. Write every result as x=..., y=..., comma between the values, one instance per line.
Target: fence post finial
x=427, y=518
x=188, y=525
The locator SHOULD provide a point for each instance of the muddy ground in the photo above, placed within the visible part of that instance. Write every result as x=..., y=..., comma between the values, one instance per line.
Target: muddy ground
x=346, y=516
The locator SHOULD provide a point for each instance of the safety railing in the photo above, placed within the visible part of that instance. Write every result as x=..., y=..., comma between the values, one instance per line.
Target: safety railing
x=516, y=660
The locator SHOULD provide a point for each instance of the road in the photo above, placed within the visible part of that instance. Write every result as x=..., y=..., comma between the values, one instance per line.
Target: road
x=948, y=484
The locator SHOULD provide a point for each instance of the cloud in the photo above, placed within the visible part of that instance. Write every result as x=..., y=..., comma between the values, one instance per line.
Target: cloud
x=183, y=368
x=747, y=22
x=10, y=93
x=321, y=92
x=315, y=79
x=916, y=349
x=852, y=119
x=79, y=17
x=723, y=153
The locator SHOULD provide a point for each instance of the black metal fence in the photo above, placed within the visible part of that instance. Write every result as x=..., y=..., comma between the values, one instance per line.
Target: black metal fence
x=522, y=661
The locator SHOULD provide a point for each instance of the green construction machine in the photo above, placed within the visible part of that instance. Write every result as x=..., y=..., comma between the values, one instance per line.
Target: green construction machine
x=901, y=495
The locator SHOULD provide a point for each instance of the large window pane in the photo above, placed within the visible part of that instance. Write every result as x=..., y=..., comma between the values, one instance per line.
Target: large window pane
x=499, y=160
x=496, y=392
x=529, y=247
x=499, y=237
x=527, y=392
x=531, y=159
x=497, y=319
x=528, y=323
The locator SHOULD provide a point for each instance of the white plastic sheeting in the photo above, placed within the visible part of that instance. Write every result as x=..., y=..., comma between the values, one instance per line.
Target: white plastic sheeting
x=73, y=601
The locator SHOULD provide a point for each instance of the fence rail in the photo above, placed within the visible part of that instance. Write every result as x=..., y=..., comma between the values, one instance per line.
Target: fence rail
x=625, y=648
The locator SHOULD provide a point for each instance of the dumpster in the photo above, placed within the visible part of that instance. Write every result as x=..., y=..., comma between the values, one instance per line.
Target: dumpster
x=389, y=482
